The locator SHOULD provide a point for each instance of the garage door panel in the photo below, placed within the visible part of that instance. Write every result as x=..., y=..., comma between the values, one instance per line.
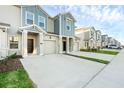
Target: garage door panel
x=50, y=47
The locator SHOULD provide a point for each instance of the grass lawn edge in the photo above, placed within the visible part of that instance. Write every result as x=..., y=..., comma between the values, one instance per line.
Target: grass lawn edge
x=101, y=51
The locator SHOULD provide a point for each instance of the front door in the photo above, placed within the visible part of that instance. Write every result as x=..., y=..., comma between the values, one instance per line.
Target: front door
x=64, y=45
x=30, y=45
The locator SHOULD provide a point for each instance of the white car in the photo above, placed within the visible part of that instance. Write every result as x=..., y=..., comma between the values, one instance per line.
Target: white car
x=112, y=47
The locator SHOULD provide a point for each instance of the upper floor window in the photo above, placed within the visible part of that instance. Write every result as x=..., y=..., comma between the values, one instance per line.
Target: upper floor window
x=41, y=21
x=92, y=33
x=29, y=18
x=68, y=24
x=13, y=42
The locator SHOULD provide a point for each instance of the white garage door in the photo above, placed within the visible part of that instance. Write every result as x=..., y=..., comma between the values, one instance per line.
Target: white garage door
x=76, y=46
x=50, y=47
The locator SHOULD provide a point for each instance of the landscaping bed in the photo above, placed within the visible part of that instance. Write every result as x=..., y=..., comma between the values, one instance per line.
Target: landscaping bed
x=100, y=51
x=10, y=65
x=13, y=75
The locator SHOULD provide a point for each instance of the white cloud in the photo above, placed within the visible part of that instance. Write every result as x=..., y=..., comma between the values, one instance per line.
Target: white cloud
x=111, y=15
x=105, y=14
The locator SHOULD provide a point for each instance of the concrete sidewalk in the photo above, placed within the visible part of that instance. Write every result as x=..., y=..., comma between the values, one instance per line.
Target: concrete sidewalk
x=112, y=76
x=94, y=55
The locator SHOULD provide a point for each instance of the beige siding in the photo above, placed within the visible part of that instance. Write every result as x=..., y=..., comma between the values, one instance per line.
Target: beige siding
x=12, y=16
x=50, y=25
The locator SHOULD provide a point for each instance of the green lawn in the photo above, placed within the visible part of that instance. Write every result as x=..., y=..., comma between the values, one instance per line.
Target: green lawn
x=15, y=79
x=94, y=59
x=101, y=51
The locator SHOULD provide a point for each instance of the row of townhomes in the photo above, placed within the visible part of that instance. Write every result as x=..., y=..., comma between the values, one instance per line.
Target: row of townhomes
x=30, y=30
x=92, y=38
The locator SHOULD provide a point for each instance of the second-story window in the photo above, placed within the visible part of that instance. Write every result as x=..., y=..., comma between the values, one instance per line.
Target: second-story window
x=41, y=21
x=92, y=34
x=29, y=18
x=68, y=24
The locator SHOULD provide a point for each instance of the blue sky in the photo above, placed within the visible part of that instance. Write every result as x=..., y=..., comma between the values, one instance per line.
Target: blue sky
x=109, y=19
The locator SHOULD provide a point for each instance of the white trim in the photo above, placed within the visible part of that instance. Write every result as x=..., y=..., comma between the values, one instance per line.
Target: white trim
x=44, y=19
x=4, y=27
x=24, y=27
x=9, y=42
x=26, y=17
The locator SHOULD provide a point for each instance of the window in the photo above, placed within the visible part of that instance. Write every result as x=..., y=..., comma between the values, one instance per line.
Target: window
x=68, y=24
x=29, y=18
x=41, y=21
x=92, y=34
x=13, y=42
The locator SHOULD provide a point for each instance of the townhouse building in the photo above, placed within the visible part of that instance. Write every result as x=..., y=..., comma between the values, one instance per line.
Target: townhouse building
x=31, y=30
x=111, y=41
x=98, y=39
x=117, y=43
x=88, y=37
x=104, y=41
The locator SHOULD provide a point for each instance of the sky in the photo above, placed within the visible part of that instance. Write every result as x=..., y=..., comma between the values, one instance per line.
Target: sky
x=107, y=18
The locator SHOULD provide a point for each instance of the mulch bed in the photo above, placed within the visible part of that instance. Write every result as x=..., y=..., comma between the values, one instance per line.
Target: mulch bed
x=10, y=65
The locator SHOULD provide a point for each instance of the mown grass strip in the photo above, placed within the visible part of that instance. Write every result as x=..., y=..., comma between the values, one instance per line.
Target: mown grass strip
x=91, y=59
x=94, y=59
x=100, y=51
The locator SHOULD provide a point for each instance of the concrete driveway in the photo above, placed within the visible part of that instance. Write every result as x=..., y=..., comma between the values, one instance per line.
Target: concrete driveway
x=59, y=70
x=94, y=55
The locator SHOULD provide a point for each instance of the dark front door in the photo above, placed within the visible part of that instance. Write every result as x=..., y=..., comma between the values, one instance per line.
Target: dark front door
x=30, y=46
x=64, y=45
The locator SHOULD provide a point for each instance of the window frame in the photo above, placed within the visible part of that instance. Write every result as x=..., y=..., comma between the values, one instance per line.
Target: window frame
x=68, y=19
x=14, y=41
x=44, y=19
x=26, y=17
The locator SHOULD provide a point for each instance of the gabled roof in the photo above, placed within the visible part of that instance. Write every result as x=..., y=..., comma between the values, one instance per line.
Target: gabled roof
x=4, y=25
x=65, y=13
x=105, y=35
x=38, y=6
x=34, y=26
x=83, y=29
x=98, y=31
x=69, y=14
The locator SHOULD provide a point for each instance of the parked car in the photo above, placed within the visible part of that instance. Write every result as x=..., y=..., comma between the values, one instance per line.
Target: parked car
x=112, y=47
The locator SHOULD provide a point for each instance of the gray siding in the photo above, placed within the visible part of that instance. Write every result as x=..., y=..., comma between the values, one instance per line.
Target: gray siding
x=63, y=31
x=50, y=25
x=56, y=25
x=63, y=26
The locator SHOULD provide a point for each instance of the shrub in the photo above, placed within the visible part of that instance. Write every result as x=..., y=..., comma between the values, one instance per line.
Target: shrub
x=13, y=56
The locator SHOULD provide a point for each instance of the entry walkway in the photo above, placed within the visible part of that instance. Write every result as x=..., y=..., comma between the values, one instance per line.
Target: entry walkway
x=112, y=76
